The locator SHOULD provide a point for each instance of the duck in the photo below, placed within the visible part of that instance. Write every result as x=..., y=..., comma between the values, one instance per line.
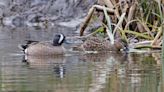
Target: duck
x=100, y=44
x=44, y=48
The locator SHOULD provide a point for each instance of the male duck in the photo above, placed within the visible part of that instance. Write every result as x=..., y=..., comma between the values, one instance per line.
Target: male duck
x=36, y=48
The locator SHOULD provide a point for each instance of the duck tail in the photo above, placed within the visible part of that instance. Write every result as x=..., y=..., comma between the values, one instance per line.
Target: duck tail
x=22, y=46
x=30, y=41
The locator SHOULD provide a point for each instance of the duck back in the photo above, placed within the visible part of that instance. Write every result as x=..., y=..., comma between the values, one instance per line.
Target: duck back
x=45, y=48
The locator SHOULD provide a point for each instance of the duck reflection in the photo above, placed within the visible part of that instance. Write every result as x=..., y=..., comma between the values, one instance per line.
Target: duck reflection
x=59, y=69
x=104, y=56
x=55, y=64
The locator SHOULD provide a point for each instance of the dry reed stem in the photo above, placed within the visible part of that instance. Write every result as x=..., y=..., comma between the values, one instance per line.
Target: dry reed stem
x=110, y=10
x=154, y=27
x=138, y=34
x=109, y=28
x=124, y=7
x=131, y=12
x=119, y=22
x=140, y=27
x=83, y=37
x=147, y=29
x=162, y=1
x=108, y=3
x=157, y=37
x=145, y=44
x=157, y=57
x=148, y=46
x=89, y=15
x=128, y=23
x=116, y=5
x=113, y=25
x=160, y=41
x=114, y=2
x=86, y=20
x=116, y=12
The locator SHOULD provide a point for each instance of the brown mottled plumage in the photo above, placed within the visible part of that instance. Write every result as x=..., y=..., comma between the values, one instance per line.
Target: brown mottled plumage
x=36, y=48
x=98, y=44
x=44, y=48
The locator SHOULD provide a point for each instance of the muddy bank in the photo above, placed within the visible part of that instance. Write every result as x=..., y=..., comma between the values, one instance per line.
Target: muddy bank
x=44, y=13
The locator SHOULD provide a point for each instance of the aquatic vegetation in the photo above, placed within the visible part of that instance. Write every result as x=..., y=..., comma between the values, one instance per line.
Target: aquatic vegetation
x=135, y=21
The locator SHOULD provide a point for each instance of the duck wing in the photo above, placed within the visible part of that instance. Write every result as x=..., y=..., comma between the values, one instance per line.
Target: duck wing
x=27, y=44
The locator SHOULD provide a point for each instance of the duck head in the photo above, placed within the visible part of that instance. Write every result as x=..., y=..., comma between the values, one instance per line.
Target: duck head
x=121, y=44
x=58, y=39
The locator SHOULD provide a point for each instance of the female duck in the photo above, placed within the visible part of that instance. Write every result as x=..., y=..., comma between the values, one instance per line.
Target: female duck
x=36, y=48
x=98, y=44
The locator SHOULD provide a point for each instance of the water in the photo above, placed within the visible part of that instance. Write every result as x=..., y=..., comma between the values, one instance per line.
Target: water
x=103, y=72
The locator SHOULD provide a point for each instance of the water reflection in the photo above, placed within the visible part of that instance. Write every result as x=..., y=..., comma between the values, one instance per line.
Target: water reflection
x=48, y=63
x=104, y=64
x=137, y=73
x=143, y=72
x=101, y=72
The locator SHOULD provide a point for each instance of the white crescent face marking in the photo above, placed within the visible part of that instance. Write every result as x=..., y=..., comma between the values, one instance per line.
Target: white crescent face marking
x=26, y=51
x=61, y=38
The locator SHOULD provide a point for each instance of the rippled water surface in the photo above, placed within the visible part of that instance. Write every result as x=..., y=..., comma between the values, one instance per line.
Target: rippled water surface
x=102, y=72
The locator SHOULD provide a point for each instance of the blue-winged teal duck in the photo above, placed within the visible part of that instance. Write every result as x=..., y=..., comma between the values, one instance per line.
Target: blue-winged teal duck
x=35, y=48
x=98, y=44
